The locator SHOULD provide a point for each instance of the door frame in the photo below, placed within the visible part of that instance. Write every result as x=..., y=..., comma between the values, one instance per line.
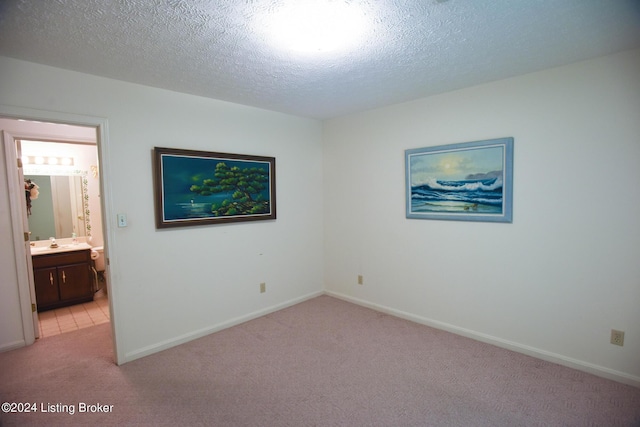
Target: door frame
x=102, y=144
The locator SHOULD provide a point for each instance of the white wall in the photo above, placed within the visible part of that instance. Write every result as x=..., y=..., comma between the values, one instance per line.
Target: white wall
x=173, y=285
x=552, y=284
x=555, y=281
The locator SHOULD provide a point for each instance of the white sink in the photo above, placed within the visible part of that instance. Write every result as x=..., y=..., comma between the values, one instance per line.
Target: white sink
x=42, y=250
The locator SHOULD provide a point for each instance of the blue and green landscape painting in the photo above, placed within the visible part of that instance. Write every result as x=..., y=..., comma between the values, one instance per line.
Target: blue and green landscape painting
x=205, y=187
x=462, y=181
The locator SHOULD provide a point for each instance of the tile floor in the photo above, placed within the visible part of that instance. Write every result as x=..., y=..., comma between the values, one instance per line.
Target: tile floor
x=74, y=317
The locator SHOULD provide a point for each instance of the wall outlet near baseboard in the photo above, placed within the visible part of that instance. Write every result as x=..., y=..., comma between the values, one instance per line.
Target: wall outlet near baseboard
x=263, y=287
x=360, y=279
x=617, y=337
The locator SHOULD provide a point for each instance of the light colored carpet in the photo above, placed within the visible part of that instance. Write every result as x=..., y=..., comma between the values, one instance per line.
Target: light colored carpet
x=324, y=362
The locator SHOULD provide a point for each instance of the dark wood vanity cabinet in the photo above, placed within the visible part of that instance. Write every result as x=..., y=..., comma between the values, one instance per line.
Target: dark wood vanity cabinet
x=62, y=279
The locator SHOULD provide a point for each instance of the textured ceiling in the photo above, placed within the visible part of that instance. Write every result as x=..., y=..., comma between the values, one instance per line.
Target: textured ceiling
x=218, y=49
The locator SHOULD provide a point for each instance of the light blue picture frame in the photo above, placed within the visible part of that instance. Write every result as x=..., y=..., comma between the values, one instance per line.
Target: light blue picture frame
x=470, y=181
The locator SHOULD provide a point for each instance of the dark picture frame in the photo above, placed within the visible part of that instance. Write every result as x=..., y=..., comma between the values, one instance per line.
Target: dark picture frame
x=201, y=188
x=470, y=181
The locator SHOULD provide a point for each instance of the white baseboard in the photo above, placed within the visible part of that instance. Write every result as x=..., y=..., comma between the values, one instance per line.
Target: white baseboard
x=499, y=342
x=13, y=345
x=172, y=342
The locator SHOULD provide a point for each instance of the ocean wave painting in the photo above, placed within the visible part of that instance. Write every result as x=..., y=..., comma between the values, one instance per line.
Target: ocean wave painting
x=468, y=181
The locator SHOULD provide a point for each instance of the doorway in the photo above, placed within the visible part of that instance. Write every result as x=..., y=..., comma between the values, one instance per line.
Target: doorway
x=66, y=207
x=36, y=128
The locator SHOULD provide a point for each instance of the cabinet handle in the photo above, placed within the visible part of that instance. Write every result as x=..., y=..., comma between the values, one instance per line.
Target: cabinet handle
x=64, y=278
x=51, y=278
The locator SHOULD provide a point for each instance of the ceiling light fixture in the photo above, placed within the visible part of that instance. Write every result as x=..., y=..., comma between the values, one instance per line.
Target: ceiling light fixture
x=316, y=26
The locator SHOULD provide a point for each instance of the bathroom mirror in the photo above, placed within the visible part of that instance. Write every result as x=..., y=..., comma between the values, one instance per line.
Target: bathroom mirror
x=62, y=207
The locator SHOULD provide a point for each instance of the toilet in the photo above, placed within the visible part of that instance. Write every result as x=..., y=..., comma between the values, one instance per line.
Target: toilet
x=97, y=255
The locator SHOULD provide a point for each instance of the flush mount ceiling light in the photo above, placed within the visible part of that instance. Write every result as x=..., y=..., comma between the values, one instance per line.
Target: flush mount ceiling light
x=315, y=26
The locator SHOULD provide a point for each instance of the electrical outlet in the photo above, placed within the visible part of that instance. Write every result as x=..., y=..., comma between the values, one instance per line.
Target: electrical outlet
x=263, y=288
x=617, y=337
x=360, y=279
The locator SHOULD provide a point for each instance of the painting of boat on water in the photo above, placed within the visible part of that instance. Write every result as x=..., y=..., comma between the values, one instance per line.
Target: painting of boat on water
x=470, y=181
x=200, y=187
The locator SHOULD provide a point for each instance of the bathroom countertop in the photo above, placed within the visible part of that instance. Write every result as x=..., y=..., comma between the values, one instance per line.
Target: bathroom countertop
x=45, y=250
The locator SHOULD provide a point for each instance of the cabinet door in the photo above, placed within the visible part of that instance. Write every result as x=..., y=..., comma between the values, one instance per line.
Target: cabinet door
x=74, y=281
x=46, y=282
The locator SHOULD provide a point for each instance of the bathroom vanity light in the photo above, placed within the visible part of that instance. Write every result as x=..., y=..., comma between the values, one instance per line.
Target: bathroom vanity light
x=50, y=160
x=66, y=161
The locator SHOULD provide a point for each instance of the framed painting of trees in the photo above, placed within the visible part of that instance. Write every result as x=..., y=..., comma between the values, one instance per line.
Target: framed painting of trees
x=201, y=187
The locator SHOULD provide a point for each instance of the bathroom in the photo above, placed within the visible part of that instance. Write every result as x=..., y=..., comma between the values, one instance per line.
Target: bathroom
x=62, y=195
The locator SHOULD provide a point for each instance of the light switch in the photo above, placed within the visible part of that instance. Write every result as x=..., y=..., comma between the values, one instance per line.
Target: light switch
x=122, y=220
